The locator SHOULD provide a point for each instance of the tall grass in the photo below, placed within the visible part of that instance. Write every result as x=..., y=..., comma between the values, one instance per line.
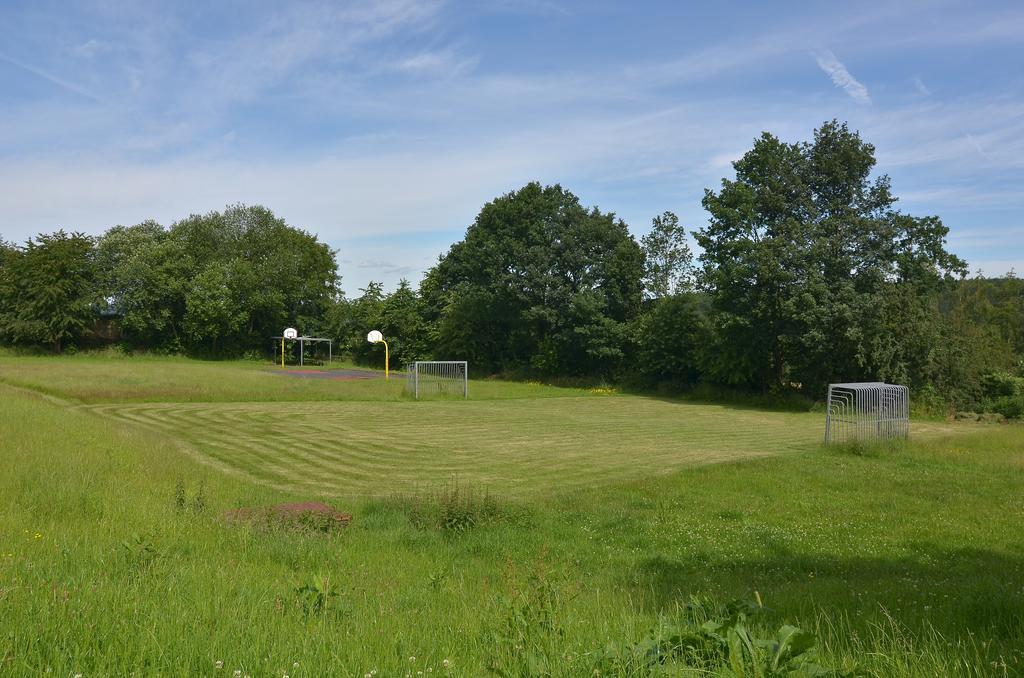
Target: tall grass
x=115, y=559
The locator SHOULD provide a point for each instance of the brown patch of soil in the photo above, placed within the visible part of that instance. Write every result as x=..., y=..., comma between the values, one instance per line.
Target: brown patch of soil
x=309, y=515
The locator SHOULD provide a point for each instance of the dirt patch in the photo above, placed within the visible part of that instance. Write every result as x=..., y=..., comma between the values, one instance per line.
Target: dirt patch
x=308, y=516
x=331, y=375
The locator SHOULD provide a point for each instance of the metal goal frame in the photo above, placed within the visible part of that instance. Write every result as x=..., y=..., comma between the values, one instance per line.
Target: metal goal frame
x=866, y=411
x=427, y=377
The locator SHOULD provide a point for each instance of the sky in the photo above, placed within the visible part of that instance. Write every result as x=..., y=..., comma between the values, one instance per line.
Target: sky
x=384, y=127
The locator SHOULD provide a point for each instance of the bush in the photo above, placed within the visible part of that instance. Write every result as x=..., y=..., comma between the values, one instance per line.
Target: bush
x=1002, y=384
x=668, y=340
x=1011, y=407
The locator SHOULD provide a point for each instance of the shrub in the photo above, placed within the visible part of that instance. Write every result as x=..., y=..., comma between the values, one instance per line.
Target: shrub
x=1002, y=384
x=1011, y=407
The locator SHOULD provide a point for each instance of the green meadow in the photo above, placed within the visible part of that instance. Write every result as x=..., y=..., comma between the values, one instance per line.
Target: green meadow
x=531, y=530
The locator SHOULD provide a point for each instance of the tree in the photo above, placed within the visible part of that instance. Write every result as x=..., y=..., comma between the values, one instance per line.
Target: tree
x=9, y=255
x=403, y=324
x=669, y=261
x=801, y=249
x=669, y=342
x=533, y=263
x=365, y=313
x=49, y=289
x=162, y=281
x=213, y=310
x=144, y=275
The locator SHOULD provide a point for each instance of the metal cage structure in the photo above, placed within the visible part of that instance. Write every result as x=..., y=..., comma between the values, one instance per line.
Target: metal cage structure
x=279, y=349
x=867, y=411
x=438, y=377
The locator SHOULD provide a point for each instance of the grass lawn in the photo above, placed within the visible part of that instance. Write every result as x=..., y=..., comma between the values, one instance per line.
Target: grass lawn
x=89, y=378
x=607, y=515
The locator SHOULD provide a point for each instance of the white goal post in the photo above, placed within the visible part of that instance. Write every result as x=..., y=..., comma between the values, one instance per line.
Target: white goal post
x=438, y=377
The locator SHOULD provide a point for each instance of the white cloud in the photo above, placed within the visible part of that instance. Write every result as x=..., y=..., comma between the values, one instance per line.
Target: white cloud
x=90, y=48
x=392, y=168
x=60, y=82
x=443, y=62
x=841, y=77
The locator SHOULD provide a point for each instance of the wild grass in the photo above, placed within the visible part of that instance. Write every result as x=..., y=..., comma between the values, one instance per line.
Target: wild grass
x=114, y=558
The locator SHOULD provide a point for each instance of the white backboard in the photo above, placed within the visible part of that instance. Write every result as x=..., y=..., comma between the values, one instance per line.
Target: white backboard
x=375, y=337
x=290, y=333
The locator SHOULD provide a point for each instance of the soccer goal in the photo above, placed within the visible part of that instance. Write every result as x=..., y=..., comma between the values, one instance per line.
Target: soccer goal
x=867, y=411
x=438, y=377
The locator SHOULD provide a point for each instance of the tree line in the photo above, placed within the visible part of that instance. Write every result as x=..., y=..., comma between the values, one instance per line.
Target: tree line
x=807, y=274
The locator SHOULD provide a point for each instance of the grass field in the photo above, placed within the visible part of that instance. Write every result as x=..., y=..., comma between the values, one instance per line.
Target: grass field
x=609, y=513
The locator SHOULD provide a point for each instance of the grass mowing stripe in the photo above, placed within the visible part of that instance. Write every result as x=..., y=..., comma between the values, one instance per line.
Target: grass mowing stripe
x=519, y=446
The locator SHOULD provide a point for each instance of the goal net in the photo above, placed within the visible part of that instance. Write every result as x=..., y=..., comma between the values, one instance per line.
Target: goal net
x=438, y=377
x=866, y=411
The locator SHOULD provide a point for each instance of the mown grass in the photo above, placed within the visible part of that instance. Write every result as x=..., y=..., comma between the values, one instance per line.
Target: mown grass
x=91, y=378
x=514, y=447
x=905, y=561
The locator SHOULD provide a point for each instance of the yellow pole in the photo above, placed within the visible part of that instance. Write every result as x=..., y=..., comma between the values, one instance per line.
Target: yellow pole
x=282, y=353
x=386, y=361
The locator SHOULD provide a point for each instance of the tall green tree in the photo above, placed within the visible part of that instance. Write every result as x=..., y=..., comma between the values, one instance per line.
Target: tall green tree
x=364, y=313
x=213, y=311
x=9, y=255
x=538, y=283
x=671, y=340
x=402, y=321
x=50, y=290
x=802, y=250
x=144, y=275
x=165, y=281
x=669, y=260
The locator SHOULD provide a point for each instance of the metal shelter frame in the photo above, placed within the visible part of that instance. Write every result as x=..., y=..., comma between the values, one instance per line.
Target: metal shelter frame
x=867, y=411
x=302, y=347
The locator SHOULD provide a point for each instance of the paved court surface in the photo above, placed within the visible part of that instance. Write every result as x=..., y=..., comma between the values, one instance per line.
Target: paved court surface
x=334, y=375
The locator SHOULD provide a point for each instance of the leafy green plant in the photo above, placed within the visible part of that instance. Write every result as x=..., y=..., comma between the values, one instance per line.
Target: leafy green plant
x=722, y=641
x=528, y=636
x=317, y=595
x=140, y=553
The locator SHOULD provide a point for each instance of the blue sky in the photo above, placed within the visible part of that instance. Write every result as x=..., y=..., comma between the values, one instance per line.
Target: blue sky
x=384, y=126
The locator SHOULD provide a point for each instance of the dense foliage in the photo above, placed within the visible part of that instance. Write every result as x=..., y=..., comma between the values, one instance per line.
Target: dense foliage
x=48, y=289
x=213, y=284
x=539, y=283
x=813, y=273
x=807, y=274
